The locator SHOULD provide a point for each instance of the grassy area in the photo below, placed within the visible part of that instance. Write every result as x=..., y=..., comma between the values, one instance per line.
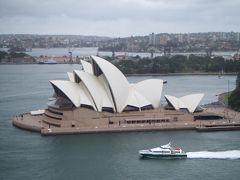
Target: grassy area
x=226, y=96
x=223, y=98
x=234, y=98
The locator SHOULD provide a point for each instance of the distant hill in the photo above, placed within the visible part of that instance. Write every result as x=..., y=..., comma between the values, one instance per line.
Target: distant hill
x=16, y=58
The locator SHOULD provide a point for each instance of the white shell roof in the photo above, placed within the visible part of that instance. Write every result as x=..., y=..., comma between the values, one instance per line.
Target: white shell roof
x=87, y=67
x=108, y=88
x=85, y=97
x=151, y=89
x=76, y=93
x=117, y=82
x=190, y=102
x=96, y=90
x=71, y=76
x=174, y=101
x=136, y=99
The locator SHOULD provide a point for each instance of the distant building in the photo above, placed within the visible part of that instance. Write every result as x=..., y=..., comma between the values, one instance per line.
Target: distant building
x=236, y=57
x=180, y=38
x=152, y=39
x=164, y=38
x=238, y=37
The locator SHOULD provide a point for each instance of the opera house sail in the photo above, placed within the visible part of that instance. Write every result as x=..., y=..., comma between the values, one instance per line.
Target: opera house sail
x=188, y=102
x=102, y=87
x=99, y=98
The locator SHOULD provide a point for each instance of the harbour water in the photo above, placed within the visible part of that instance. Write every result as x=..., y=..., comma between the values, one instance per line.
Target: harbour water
x=87, y=51
x=108, y=156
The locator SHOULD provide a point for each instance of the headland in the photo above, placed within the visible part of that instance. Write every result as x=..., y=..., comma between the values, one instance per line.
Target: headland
x=99, y=98
x=51, y=122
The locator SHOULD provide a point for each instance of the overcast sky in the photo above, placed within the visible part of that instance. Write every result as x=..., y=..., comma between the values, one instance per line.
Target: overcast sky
x=118, y=18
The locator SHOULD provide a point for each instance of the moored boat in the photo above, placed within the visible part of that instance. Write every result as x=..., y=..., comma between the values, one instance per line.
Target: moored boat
x=164, y=151
x=48, y=62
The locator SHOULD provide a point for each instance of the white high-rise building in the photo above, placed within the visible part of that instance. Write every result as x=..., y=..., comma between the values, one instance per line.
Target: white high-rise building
x=152, y=39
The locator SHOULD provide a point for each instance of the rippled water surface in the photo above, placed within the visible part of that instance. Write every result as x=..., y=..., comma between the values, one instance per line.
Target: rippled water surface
x=27, y=155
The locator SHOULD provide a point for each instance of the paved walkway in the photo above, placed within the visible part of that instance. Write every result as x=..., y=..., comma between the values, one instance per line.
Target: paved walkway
x=36, y=123
x=229, y=114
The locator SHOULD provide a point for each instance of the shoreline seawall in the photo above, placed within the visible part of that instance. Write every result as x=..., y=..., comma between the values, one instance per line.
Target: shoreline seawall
x=230, y=122
x=182, y=74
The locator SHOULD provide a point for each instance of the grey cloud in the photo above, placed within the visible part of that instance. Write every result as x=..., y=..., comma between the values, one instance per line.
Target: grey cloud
x=123, y=16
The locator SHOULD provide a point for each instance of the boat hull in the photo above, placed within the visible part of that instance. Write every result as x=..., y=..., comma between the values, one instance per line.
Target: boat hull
x=163, y=156
x=167, y=156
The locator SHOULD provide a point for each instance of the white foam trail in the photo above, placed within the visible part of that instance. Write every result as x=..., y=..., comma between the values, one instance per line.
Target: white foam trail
x=233, y=154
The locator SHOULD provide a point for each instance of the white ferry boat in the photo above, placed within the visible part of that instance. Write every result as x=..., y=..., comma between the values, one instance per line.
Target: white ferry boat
x=164, y=151
x=50, y=61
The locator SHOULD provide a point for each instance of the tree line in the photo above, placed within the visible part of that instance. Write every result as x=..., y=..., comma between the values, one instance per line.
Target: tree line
x=178, y=64
x=7, y=57
x=234, y=99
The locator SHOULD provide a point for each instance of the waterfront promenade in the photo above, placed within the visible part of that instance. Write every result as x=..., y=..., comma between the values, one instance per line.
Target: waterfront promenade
x=230, y=121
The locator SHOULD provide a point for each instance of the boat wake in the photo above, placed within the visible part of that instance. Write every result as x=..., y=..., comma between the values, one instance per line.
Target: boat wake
x=233, y=154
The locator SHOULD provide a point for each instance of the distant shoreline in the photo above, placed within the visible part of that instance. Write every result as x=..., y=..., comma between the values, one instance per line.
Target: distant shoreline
x=181, y=74
x=34, y=63
x=146, y=74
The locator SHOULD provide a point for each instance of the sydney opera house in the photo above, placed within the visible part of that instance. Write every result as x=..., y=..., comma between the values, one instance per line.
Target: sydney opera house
x=99, y=98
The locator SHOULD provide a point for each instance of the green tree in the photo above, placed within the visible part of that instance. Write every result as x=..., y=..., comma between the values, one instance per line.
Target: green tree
x=178, y=64
x=234, y=99
x=238, y=80
x=3, y=54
